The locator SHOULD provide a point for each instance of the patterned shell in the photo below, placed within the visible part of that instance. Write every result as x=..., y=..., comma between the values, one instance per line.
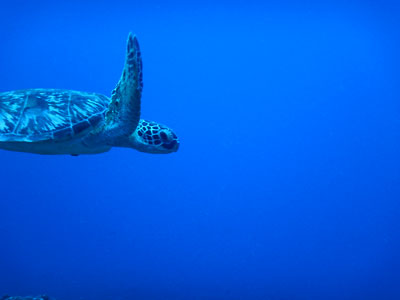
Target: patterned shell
x=41, y=114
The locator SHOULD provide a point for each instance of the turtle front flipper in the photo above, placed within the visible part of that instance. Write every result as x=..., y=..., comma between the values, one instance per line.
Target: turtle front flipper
x=123, y=114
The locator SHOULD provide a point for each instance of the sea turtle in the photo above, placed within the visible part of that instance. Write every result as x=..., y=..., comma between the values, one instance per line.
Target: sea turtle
x=50, y=121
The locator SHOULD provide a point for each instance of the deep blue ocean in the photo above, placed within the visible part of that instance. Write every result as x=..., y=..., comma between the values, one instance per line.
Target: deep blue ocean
x=286, y=185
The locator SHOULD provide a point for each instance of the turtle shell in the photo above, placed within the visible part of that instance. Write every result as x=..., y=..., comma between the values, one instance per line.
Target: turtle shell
x=48, y=114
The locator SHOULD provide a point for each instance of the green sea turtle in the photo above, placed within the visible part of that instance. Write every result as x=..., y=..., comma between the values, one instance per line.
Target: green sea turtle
x=50, y=121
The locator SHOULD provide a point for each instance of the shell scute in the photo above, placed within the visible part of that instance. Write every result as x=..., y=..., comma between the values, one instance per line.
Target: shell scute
x=40, y=114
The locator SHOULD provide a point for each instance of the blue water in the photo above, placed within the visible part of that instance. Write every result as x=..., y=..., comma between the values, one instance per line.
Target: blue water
x=287, y=182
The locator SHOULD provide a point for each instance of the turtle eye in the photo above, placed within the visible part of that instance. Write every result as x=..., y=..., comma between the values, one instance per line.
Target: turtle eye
x=164, y=136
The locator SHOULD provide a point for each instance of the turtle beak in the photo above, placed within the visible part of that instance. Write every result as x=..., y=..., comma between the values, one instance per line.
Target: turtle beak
x=172, y=146
x=170, y=141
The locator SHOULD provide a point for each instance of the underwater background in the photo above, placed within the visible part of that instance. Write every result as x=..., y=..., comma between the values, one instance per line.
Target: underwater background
x=287, y=181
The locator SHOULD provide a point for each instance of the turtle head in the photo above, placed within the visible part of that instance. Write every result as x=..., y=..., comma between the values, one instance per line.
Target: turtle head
x=152, y=137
